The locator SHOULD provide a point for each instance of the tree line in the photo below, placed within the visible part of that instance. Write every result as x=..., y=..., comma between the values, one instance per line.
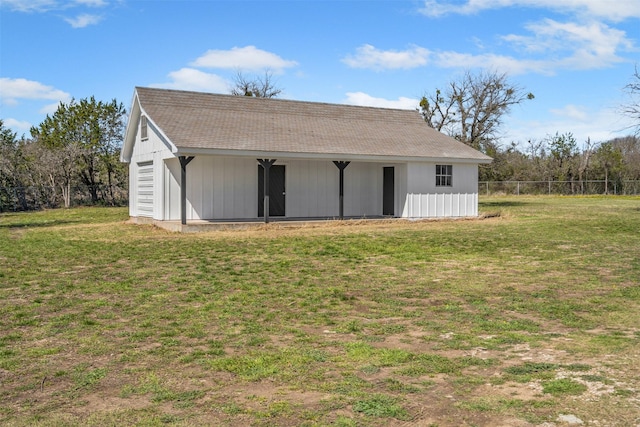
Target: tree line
x=72, y=157
x=614, y=163
x=471, y=109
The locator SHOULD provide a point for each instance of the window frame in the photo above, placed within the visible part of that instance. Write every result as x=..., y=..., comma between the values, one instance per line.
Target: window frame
x=444, y=175
x=144, y=128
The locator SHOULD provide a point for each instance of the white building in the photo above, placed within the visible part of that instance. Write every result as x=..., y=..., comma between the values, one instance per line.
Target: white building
x=202, y=156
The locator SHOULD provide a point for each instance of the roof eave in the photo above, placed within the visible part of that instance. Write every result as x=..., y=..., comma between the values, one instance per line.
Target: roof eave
x=323, y=156
x=132, y=128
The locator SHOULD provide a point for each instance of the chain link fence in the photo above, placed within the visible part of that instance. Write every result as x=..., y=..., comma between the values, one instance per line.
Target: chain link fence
x=619, y=187
x=13, y=199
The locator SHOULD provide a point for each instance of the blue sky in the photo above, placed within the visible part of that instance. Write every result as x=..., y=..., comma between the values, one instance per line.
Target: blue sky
x=575, y=56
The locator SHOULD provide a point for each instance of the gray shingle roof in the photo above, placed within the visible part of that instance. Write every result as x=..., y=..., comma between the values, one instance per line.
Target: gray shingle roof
x=203, y=121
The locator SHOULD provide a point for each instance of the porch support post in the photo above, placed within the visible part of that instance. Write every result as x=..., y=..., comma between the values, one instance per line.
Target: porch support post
x=184, y=161
x=266, y=165
x=341, y=166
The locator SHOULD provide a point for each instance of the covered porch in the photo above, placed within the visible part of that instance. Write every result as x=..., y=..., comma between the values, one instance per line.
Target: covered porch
x=227, y=190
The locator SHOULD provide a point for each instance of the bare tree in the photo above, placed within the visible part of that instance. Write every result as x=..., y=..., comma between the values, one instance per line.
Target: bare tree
x=632, y=108
x=258, y=87
x=536, y=154
x=472, y=108
x=585, y=158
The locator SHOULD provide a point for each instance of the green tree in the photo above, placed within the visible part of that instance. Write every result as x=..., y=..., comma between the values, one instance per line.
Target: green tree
x=563, y=149
x=509, y=164
x=9, y=160
x=609, y=158
x=629, y=146
x=472, y=108
x=91, y=132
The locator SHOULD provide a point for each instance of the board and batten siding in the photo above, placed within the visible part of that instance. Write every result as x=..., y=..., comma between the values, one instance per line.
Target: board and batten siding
x=217, y=188
x=362, y=189
x=311, y=188
x=426, y=200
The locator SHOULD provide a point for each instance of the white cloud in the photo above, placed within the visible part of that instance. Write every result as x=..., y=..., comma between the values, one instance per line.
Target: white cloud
x=363, y=99
x=14, y=92
x=17, y=125
x=41, y=6
x=196, y=80
x=30, y=5
x=437, y=8
x=49, y=108
x=590, y=45
x=11, y=90
x=83, y=20
x=92, y=3
x=614, y=10
x=572, y=112
x=502, y=63
x=243, y=58
x=367, y=56
x=599, y=125
x=549, y=46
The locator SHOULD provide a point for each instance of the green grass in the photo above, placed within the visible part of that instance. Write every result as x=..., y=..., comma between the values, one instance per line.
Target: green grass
x=563, y=386
x=106, y=323
x=380, y=405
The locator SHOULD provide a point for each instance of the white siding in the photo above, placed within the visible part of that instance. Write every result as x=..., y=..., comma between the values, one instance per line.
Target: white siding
x=144, y=189
x=424, y=199
x=401, y=183
x=363, y=189
x=217, y=188
x=149, y=153
x=440, y=205
x=171, y=191
x=312, y=188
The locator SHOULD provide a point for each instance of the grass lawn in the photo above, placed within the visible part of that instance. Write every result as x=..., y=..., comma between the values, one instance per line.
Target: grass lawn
x=525, y=317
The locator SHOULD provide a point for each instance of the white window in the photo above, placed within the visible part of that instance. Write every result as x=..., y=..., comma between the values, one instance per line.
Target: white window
x=144, y=133
x=444, y=174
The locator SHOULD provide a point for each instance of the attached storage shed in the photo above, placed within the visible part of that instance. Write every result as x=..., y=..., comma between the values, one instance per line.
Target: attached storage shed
x=203, y=156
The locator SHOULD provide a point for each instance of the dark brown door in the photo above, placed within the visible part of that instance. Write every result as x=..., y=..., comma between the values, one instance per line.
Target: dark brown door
x=387, y=191
x=276, y=190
